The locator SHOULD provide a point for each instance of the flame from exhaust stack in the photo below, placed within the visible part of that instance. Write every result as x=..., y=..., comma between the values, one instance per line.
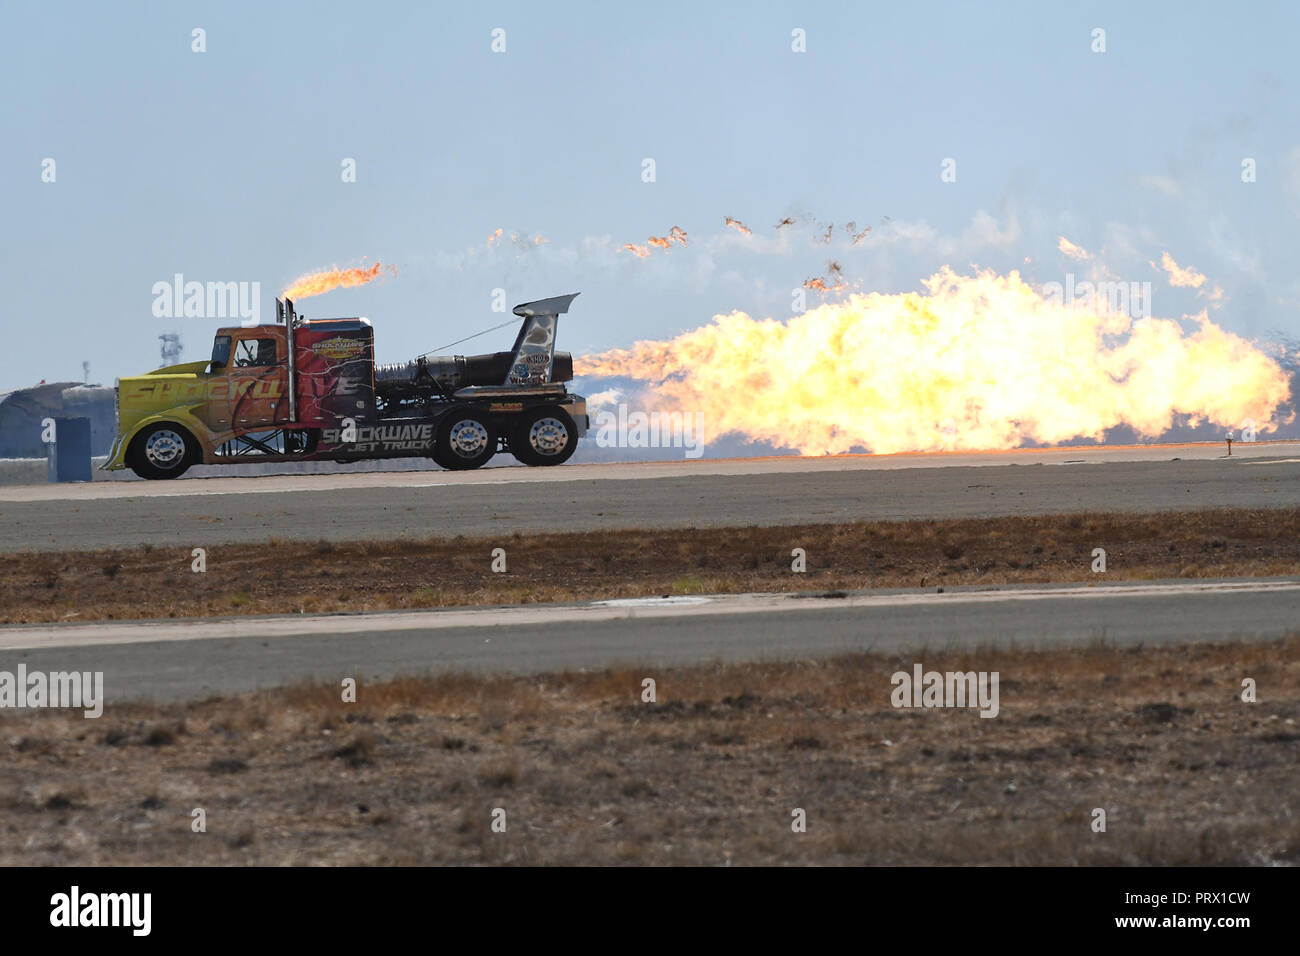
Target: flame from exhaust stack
x=320, y=282
x=974, y=362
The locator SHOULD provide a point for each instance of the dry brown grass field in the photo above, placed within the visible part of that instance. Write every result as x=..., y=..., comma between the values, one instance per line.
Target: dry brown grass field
x=279, y=577
x=588, y=773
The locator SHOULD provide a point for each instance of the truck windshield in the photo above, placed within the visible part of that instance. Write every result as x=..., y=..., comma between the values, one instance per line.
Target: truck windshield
x=220, y=351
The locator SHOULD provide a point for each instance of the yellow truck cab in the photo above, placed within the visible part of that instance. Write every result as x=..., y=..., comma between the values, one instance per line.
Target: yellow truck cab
x=309, y=390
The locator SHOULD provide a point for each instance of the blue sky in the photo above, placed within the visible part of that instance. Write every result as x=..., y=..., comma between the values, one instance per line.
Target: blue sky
x=225, y=165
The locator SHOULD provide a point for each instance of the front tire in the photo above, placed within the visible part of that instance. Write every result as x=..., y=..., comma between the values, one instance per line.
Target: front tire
x=544, y=436
x=163, y=450
x=465, y=440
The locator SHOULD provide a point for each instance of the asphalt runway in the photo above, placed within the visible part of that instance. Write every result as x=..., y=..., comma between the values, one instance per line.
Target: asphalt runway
x=176, y=661
x=704, y=493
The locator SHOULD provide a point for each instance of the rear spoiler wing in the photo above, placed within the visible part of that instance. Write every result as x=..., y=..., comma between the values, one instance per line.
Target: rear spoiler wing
x=533, y=354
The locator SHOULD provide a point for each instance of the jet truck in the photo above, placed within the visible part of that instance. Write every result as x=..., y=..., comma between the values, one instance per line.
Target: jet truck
x=309, y=390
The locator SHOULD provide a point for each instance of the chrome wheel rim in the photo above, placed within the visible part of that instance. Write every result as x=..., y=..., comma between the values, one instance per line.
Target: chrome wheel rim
x=164, y=449
x=548, y=436
x=468, y=438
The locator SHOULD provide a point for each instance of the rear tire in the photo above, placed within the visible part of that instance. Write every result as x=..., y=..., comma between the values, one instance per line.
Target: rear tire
x=544, y=436
x=163, y=450
x=465, y=440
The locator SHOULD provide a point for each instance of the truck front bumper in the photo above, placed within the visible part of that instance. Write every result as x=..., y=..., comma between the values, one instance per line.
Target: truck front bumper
x=116, y=454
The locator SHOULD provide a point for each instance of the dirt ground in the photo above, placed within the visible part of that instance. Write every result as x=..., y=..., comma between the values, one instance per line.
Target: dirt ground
x=323, y=577
x=587, y=772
